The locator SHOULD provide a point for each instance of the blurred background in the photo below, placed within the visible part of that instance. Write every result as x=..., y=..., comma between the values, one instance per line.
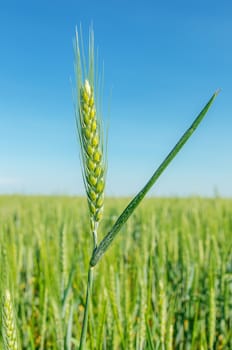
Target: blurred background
x=162, y=62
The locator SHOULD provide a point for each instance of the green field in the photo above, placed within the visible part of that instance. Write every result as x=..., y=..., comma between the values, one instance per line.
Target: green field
x=166, y=282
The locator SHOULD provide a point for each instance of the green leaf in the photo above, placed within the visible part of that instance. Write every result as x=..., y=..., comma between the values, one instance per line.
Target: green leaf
x=108, y=239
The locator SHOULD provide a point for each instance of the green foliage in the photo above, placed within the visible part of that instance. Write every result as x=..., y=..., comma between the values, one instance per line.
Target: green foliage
x=166, y=284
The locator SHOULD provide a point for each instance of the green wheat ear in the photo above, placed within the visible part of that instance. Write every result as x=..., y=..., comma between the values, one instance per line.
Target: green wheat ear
x=90, y=135
x=9, y=332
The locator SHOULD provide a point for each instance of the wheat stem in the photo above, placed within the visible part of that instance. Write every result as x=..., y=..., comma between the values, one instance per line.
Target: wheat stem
x=85, y=320
x=89, y=127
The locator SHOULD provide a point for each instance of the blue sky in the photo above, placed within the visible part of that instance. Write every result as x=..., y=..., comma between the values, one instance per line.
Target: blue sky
x=162, y=61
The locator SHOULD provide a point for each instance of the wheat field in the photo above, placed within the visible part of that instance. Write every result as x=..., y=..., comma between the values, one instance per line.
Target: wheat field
x=166, y=283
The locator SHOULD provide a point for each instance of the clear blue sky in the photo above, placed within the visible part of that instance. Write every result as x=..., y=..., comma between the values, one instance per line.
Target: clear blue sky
x=163, y=60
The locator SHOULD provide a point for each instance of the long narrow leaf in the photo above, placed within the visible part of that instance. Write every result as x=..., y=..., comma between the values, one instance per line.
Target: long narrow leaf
x=107, y=240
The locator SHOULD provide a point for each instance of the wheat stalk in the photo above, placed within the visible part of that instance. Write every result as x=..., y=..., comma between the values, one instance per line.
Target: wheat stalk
x=162, y=313
x=212, y=310
x=89, y=126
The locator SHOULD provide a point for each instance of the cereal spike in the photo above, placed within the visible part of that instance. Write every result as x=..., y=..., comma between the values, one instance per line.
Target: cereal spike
x=90, y=138
x=89, y=125
x=8, y=323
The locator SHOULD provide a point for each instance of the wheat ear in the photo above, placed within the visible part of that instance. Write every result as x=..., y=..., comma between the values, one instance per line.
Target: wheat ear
x=89, y=126
x=91, y=154
x=9, y=332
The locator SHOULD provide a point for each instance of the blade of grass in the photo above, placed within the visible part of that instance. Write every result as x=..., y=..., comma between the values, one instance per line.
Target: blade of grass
x=108, y=239
x=68, y=338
